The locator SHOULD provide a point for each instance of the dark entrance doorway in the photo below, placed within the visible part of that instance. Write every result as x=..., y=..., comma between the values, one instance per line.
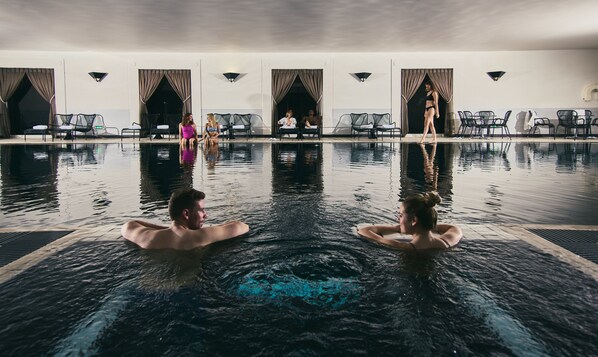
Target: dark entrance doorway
x=164, y=106
x=27, y=108
x=297, y=99
x=417, y=106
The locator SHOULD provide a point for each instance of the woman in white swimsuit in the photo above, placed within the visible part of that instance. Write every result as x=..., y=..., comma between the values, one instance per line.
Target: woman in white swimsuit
x=417, y=217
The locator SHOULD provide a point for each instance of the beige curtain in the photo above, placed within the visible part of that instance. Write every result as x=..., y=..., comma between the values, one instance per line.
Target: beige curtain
x=443, y=80
x=411, y=79
x=282, y=80
x=42, y=80
x=149, y=79
x=180, y=80
x=312, y=80
x=10, y=78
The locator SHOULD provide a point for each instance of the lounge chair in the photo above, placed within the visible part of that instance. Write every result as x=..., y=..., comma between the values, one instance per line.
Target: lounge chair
x=241, y=124
x=42, y=130
x=223, y=121
x=383, y=124
x=169, y=126
x=64, y=125
x=360, y=123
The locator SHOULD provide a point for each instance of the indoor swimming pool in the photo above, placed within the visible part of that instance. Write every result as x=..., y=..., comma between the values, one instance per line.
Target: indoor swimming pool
x=301, y=283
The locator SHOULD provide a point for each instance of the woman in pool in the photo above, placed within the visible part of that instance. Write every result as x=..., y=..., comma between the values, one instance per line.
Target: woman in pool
x=417, y=216
x=212, y=130
x=430, y=112
x=188, y=131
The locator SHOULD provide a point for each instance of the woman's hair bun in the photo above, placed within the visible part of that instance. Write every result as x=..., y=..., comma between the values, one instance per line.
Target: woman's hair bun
x=432, y=198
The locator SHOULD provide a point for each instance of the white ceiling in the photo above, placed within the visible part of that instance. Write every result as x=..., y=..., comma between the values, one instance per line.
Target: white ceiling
x=297, y=25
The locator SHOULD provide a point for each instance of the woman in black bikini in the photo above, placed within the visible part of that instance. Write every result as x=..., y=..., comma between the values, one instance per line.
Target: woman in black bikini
x=417, y=216
x=431, y=111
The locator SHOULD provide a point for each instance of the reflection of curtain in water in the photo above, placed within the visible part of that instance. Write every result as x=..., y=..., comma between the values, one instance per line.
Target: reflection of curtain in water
x=161, y=173
x=297, y=175
x=31, y=171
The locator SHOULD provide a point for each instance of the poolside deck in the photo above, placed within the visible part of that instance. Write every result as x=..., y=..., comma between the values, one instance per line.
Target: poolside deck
x=471, y=232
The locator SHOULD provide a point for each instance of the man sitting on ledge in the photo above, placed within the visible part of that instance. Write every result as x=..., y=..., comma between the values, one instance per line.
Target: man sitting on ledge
x=187, y=211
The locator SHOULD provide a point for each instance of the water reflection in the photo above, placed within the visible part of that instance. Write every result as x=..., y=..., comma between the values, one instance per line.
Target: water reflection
x=487, y=155
x=29, y=174
x=426, y=168
x=495, y=182
x=297, y=166
x=211, y=154
x=161, y=173
x=188, y=156
x=297, y=172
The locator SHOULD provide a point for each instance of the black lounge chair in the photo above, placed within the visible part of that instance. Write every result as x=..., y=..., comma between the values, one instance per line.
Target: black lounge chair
x=85, y=124
x=241, y=124
x=360, y=123
x=64, y=125
x=223, y=121
x=42, y=130
x=168, y=126
x=383, y=124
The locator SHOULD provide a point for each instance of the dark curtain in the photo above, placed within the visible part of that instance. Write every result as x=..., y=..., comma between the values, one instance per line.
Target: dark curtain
x=42, y=80
x=411, y=79
x=10, y=78
x=282, y=81
x=149, y=79
x=180, y=80
x=312, y=80
x=443, y=79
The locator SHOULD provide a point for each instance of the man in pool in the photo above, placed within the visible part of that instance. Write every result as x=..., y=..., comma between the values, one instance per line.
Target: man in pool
x=187, y=211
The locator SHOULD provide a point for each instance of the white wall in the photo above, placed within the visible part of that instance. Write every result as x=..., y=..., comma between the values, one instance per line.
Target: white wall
x=542, y=80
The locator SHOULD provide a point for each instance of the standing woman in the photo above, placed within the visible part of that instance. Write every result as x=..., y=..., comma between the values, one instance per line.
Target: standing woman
x=212, y=130
x=431, y=111
x=188, y=131
x=417, y=217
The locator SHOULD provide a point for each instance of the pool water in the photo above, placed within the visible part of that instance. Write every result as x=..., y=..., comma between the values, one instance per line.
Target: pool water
x=301, y=282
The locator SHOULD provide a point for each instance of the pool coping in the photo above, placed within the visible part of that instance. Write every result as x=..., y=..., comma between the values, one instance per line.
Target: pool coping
x=506, y=232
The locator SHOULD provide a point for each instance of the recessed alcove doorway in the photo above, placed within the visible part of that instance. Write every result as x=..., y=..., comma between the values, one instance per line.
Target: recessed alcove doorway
x=417, y=107
x=27, y=108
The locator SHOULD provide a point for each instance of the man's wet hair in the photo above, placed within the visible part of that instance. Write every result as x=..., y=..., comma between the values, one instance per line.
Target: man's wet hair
x=183, y=199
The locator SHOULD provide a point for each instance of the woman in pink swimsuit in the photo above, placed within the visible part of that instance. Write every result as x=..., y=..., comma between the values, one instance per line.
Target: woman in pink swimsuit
x=188, y=131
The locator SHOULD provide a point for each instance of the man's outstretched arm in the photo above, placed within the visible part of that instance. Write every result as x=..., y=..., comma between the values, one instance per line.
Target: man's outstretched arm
x=139, y=232
x=217, y=233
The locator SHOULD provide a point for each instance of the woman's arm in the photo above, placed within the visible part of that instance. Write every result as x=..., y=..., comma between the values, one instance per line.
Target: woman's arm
x=376, y=234
x=450, y=233
x=435, y=95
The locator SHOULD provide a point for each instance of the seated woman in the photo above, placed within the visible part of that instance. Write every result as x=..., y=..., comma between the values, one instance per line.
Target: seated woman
x=188, y=131
x=212, y=130
x=311, y=119
x=288, y=122
x=417, y=217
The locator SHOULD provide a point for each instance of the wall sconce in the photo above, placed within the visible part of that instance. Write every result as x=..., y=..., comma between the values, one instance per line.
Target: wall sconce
x=231, y=76
x=362, y=75
x=496, y=75
x=98, y=76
